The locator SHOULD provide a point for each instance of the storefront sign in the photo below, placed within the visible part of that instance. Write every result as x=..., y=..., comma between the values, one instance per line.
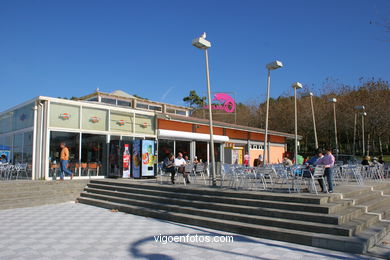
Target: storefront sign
x=64, y=116
x=225, y=103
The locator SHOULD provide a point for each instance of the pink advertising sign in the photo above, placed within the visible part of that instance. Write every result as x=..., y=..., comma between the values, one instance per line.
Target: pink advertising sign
x=223, y=102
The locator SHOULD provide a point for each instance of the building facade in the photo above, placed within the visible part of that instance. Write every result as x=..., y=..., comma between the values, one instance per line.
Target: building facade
x=97, y=127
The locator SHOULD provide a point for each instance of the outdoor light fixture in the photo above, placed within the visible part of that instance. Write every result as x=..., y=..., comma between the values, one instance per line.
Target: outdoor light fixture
x=296, y=85
x=270, y=66
x=332, y=100
x=274, y=65
x=203, y=44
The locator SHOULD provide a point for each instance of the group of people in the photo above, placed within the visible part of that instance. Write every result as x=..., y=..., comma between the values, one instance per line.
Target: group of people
x=324, y=158
x=375, y=161
x=177, y=165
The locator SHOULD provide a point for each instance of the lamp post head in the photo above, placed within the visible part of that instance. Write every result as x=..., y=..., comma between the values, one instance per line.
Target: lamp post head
x=274, y=65
x=360, y=108
x=332, y=100
x=363, y=114
x=201, y=42
x=297, y=85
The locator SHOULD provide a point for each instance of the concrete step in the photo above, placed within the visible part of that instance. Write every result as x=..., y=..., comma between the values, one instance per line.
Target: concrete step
x=357, y=244
x=377, y=203
x=15, y=186
x=364, y=197
x=298, y=198
x=229, y=204
x=331, y=207
x=343, y=230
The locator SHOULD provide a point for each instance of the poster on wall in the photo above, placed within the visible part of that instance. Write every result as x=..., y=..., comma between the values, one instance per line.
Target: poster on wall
x=147, y=158
x=126, y=162
x=136, y=158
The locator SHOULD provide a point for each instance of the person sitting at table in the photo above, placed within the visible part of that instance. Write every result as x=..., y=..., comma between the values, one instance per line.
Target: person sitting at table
x=180, y=163
x=287, y=161
x=196, y=160
x=186, y=159
x=315, y=158
x=169, y=166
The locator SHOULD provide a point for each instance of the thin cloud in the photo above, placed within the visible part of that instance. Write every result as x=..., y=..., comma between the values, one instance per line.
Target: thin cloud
x=164, y=96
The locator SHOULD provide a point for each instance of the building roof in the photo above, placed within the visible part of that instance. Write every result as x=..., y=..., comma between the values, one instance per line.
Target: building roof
x=124, y=95
x=202, y=121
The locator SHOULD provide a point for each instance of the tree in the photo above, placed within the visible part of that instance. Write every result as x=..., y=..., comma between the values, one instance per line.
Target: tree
x=194, y=100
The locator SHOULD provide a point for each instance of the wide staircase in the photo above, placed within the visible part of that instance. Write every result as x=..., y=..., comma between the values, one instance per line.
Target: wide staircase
x=351, y=221
x=28, y=193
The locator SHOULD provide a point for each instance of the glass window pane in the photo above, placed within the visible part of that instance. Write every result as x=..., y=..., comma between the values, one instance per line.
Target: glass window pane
x=23, y=117
x=165, y=147
x=5, y=123
x=170, y=110
x=27, y=147
x=18, y=148
x=142, y=106
x=181, y=112
x=72, y=142
x=154, y=108
x=124, y=103
x=201, y=151
x=94, y=119
x=93, y=155
x=64, y=116
x=184, y=148
x=95, y=99
x=108, y=101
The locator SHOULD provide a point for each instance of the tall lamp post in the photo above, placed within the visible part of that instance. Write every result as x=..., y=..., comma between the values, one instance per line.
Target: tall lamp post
x=203, y=44
x=364, y=147
x=270, y=66
x=310, y=94
x=357, y=108
x=334, y=101
x=296, y=86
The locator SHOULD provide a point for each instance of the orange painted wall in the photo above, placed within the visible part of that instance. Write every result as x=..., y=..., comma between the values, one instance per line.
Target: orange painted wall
x=173, y=125
x=276, y=154
x=236, y=134
x=277, y=139
x=257, y=137
x=204, y=129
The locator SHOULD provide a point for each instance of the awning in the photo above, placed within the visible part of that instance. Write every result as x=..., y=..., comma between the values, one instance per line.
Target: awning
x=170, y=134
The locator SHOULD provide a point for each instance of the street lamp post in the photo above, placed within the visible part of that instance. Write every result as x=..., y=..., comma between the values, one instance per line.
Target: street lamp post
x=270, y=66
x=358, y=108
x=203, y=44
x=296, y=86
x=364, y=147
x=333, y=100
x=314, y=119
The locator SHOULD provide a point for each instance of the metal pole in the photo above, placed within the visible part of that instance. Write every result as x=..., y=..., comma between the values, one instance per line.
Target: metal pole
x=214, y=181
x=266, y=159
x=354, y=135
x=296, y=126
x=314, y=122
x=364, y=148
x=335, y=130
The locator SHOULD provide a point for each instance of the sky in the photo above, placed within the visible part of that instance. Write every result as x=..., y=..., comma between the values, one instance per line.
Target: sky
x=64, y=48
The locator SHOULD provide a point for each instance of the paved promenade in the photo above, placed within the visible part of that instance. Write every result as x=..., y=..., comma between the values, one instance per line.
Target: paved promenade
x=77, y=231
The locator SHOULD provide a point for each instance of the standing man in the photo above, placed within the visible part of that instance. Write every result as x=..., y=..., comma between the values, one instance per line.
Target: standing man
x=328, y=162
x=64, y=158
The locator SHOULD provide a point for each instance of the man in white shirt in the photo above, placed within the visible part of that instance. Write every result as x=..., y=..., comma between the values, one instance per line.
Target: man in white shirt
x=180, y=163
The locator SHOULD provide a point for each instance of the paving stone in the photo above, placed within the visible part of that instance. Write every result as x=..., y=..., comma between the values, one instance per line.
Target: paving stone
x=124, y=236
